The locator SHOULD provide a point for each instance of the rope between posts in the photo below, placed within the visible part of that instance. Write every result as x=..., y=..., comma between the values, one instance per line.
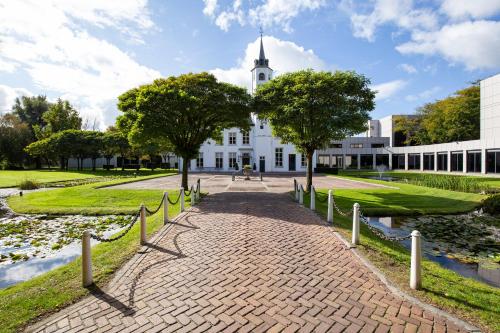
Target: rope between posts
x=176, y=200
x=188, y=193
x=150, y=212
x=108, y=240
x=380, y=233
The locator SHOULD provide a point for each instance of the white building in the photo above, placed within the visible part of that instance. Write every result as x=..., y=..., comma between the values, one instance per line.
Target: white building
x=378, y=148
x=257, y=148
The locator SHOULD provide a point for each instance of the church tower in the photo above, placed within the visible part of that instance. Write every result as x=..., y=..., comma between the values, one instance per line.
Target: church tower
x=261, y=71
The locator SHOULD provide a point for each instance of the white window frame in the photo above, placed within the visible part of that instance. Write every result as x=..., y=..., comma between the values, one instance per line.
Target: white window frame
x=245, y=136
x=219, y=159
x=278, y=157
x=231, y=138
x=232, y=160
x=199, y=161
x=303, y=160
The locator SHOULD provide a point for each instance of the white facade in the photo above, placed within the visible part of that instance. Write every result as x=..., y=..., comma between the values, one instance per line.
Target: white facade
x=474, y=156
x=262, y=151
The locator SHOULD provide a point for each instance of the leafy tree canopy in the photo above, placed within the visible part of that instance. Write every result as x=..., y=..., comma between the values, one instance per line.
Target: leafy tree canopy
x=183, y=111
x=60, y=116
x=309, y=109
x=455, y=118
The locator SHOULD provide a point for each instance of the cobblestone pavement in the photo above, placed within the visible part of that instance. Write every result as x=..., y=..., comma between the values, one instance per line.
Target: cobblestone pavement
x=247, y=262
x=217, y=182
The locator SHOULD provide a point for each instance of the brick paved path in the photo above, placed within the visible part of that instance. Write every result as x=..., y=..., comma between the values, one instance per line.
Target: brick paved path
x=245, y=262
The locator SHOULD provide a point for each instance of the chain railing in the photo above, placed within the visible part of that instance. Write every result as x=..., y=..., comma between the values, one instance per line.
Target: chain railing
x=139, y=216
x=357, y=216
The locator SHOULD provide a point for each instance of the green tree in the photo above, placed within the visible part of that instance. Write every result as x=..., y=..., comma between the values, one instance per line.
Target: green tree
x=14, y=136
x=185, y=111
x=60, y=116
x=30, y=110
x=115, y=142
x=454, y=118
x=309, y=109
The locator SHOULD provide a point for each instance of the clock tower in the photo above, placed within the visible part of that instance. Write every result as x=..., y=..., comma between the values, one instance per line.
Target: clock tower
x=261, y=72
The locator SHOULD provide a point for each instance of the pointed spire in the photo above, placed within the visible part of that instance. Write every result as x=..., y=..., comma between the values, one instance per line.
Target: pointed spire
x=262, y=56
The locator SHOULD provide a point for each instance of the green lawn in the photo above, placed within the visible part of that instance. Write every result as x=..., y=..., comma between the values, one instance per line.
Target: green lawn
x=9, y=178
x=56, y=289
x=87, y=199
x=471, y=300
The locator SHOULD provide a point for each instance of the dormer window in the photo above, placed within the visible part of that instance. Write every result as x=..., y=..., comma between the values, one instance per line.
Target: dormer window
x=262, y=76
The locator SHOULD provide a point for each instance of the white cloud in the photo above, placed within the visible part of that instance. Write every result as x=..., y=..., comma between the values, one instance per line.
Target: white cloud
x=470, y=9
x=284, y=56
x=408, y=68
x=473, y=44
x=8, y=96
x=270, y=13
x=62, y=57
x=426, y=94
x=388, y=89
x=398, y=12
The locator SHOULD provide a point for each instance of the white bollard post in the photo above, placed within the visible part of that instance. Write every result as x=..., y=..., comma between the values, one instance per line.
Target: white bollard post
x=198, y=192
x=232, y=177
x=416, y=259
x=86, y=260
x=261, y=176
x=355, y=224
x=330, y=207
x=143, y=224
x=165, y=207
x=301, y=195
x=296, y=190
x=193, y=196
x=313, y=198
x=182, y=199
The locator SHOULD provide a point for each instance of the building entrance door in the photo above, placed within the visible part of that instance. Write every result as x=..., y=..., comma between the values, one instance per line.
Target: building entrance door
x=291, y=162
x=262, y=164
x=245, y=159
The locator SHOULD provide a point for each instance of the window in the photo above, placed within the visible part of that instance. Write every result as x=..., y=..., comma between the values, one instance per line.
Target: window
x=473, y=161
x=493, y=161
x=323, y=161
x=246, y=138
x=335, y=145
x=428, y=161
x=442, y=161
x=414, y=161
x=377, y=145
x=303, y=160
x=232, y=160
x=382, y=159
x=278, y=157
x=262, y=76
x=199, y=161
x=219, y=158
x=337, y=161
x=457, y=161
x=351, y=161
x=366, y=161
x=398, y=161
x=232, y=138
x=356, y=145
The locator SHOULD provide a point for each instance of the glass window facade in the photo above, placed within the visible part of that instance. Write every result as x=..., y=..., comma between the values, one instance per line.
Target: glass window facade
x=232, y=138
x=457, y=161
x=493, y=161
x=377, y=145
x=245, y=138
x=442, y=161
x=356, y=145
x=199, y=160
x=366, y=161
x=335, y=145
x=473, y=161
x=278, y=157
x=398, y=161
x=337, y=161
x=232, y=160
x=323, y=161
x=414, y=161
x=382, y=159
x=428, y=162
x=351, y=161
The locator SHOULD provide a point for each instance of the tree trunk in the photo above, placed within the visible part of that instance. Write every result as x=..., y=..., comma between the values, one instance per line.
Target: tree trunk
x=185, y=173
x=309, y=172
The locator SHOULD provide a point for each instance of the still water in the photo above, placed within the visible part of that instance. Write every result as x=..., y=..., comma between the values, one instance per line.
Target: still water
x=444, y=252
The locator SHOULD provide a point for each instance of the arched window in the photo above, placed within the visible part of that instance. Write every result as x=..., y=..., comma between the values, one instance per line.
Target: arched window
x=262, y=76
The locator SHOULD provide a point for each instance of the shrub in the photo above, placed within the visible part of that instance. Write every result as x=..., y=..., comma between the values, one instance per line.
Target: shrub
x=491, y=204
x=29, y=184
x=450, y=182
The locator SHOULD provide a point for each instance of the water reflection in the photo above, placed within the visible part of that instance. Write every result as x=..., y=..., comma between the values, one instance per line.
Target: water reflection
x=397, y=226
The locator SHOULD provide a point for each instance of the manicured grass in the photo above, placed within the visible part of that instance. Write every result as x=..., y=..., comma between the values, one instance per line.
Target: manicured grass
x=469, y=299
x=56, y=289
x=10, y=178
x=87, y=199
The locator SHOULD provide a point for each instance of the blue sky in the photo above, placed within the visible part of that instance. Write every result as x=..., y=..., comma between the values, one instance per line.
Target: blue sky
x=91, y=51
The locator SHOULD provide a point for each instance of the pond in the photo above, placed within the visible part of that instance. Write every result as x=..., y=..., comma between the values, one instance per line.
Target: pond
x=468, y=244
x=34, y=244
